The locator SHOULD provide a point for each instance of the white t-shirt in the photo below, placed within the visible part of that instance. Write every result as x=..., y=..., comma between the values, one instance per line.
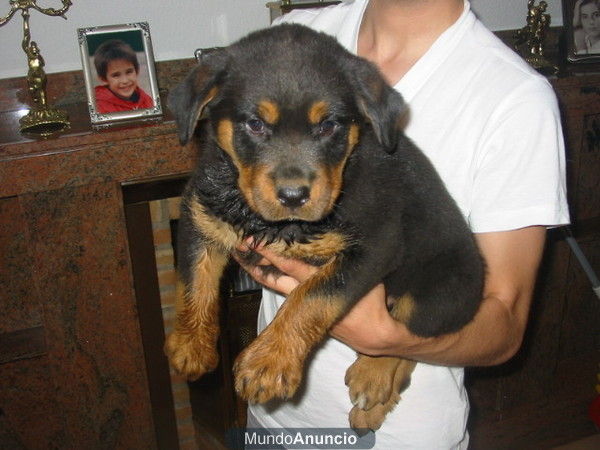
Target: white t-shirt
x=491, y=126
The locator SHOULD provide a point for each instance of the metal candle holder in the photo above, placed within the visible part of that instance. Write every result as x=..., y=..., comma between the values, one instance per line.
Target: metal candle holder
x=533, y=36
x=42, y=120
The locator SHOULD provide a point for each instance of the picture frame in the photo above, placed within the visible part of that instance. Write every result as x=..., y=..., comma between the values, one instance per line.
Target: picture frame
x=582, y=30
x=119, y=73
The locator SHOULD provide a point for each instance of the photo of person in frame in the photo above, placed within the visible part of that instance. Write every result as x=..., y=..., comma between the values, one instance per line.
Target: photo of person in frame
x=586, y=27
x=118, y=68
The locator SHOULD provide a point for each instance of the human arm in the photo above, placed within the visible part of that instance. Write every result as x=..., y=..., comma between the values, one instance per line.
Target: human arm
x=495, y=334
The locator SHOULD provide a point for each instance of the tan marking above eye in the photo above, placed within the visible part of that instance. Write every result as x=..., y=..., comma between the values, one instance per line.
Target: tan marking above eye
x=318, y=111
x=268, y=111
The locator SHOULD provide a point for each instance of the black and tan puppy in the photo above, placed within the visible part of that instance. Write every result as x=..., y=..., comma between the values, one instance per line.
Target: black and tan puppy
x=301, y=148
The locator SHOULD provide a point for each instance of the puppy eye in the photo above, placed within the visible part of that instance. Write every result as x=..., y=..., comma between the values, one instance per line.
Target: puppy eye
x=256, y=126
x=327, y=128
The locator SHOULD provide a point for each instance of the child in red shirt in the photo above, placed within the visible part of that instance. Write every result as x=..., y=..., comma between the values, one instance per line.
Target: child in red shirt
x=117, y=67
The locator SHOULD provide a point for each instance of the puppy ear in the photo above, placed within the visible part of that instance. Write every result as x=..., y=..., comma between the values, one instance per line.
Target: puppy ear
x=188, y=100
x=379, y=103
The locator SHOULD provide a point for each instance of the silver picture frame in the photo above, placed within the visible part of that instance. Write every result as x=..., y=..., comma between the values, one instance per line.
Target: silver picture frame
x=137, y=37
x=581, y=20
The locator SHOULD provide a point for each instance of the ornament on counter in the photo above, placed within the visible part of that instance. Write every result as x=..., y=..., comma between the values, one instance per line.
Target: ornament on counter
x=42, y=120
x=530, y=40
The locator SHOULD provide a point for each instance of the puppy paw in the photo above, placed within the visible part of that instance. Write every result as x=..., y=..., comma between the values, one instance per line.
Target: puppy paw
x=374, y=387
x=263, y=373
x=372, y=418
x=190, y=356
x=370, y=380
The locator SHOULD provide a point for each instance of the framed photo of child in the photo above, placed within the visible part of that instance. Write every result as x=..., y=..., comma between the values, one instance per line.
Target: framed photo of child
x=118, y=67
x=582, y=28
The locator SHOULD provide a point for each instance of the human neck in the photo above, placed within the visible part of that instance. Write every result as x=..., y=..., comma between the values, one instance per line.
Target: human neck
x=394, y=34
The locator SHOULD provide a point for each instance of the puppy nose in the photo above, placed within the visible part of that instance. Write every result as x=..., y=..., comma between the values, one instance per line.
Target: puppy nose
x=293, y=197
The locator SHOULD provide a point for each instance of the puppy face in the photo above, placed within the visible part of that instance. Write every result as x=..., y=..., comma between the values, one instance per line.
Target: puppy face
x=288, y=106
x=290, y=154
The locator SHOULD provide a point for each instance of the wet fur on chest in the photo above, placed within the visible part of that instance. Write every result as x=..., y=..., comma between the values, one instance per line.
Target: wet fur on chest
x=220, y=210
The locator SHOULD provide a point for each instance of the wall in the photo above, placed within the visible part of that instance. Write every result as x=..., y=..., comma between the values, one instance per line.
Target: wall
x=179, y=27
x=510, y=14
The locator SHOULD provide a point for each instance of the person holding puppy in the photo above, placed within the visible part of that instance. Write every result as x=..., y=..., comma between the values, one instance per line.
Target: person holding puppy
x=490, y=125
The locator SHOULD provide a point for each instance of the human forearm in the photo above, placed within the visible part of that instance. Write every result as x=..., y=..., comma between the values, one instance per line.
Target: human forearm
x=496, y=331
x=492, y=337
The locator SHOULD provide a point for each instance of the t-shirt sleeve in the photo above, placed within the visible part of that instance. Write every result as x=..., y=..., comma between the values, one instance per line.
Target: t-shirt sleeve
x=520, y=176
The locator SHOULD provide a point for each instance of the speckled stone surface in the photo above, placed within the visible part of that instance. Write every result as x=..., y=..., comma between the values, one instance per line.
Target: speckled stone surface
x=71, y=355
x=82, y=271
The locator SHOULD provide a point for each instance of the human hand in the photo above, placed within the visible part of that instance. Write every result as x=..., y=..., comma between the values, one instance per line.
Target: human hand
x=293, y=271
x=368, y=327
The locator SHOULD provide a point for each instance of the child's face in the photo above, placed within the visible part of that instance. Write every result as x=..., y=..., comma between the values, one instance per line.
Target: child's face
x=590, y=19
x=121, y=78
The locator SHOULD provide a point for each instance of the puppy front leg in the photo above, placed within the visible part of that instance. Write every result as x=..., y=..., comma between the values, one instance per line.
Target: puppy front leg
x=192, y=347
x=272, y=365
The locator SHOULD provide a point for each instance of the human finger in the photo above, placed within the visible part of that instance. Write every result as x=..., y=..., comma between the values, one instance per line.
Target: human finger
x=295, y=268
x=281, y=283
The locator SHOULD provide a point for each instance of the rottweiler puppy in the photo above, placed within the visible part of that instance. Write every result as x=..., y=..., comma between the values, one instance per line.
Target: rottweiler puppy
x=301, y=148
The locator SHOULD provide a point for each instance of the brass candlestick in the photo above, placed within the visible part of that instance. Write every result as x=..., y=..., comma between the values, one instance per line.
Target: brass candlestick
x=533, y=36
x=41, y=120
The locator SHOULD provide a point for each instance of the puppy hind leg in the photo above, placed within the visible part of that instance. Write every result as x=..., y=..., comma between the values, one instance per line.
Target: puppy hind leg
x=375, y=384
x=192, y=347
